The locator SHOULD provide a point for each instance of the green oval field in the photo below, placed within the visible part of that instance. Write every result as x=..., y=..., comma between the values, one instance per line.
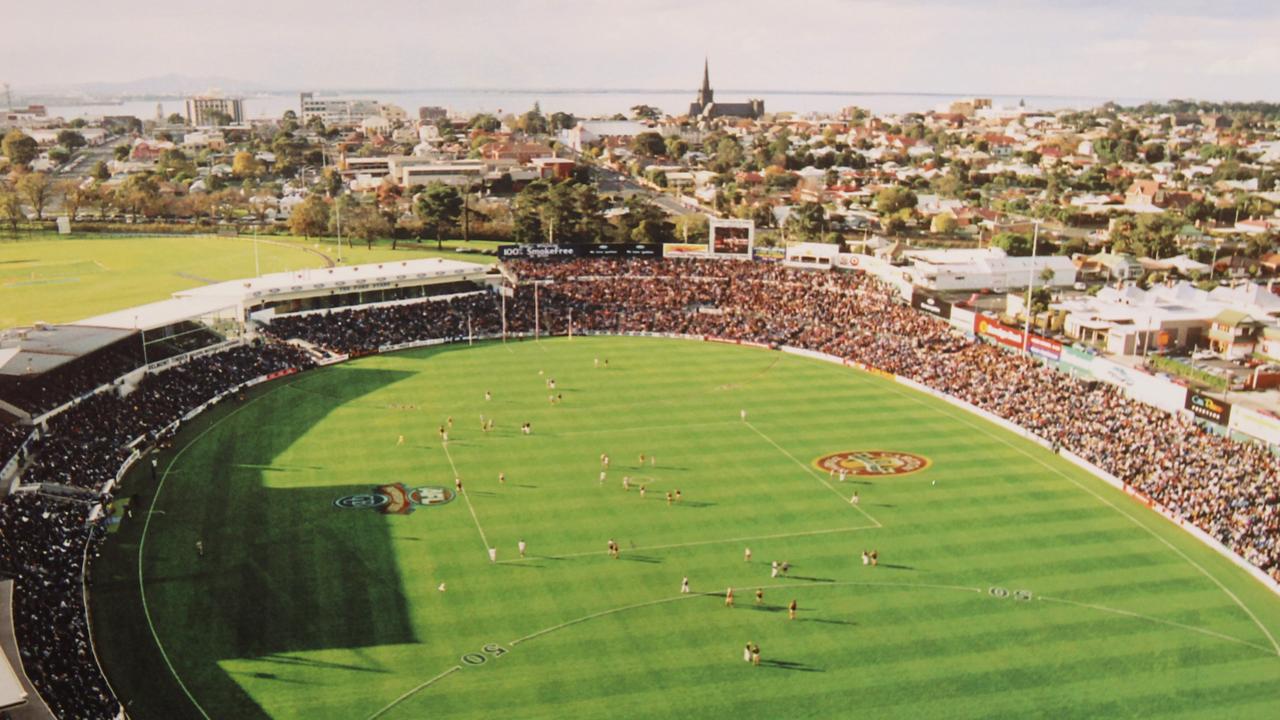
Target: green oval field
x=1009, y=582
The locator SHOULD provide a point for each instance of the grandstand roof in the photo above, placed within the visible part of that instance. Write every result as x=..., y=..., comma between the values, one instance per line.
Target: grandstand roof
x=161, y=314
x=36, y=350
x=233, y=295
x=349, y=277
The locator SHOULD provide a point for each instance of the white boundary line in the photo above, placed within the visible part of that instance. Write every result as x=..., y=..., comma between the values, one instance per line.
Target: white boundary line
x=411, y=692
x=1149, y=618
x=848, y=583
x=1057, y=471
x=811, y=473
x=142, y=543
x=467, y=497
x=672, y=546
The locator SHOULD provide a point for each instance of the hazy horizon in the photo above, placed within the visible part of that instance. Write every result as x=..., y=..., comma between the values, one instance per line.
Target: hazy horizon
x=1087, y=49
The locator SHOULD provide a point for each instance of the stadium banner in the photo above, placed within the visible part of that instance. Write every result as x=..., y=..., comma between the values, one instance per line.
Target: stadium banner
x=693, y=250
x=1208, y=408
x=770, y=254
x=1044, y=347
x=924, y=302
x=1078, y=360
x=1255, y=423
x=566, y=251
x=1142, y=386
x=995, y=331
x=962, y=319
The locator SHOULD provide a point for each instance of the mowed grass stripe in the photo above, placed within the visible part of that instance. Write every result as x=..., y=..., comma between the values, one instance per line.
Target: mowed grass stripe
x=330, y=590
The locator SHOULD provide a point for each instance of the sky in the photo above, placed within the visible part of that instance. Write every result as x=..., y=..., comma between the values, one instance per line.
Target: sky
x=1219, y=49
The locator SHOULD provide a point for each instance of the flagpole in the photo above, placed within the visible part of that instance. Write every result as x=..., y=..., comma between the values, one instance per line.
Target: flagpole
x=536, y=311
x=504, y=313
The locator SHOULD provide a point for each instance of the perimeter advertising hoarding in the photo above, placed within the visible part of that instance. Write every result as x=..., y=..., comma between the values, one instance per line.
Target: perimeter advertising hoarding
x=565, y=251
x=1255, y=424
x=1142, y=386
x=1044, y=347
x=685, y=250
x=991, y=329
x=1207, y=408
x=927, y=303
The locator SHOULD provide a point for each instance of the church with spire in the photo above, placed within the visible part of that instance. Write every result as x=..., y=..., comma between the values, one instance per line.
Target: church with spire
x=706, y=106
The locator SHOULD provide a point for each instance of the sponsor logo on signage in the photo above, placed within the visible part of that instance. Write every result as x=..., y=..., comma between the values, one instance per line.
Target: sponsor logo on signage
x=1203, y=406
x=998, y=332
x=930, y=304
x=395, y=499
x=872, y=462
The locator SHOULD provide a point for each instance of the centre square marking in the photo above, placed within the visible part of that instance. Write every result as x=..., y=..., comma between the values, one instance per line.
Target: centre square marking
x=396, y=499
x=872, y=463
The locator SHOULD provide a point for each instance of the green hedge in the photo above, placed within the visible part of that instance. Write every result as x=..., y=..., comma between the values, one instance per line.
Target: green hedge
x=1174, y=366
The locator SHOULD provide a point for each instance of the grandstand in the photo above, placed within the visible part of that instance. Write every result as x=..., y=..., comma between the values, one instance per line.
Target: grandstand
x=106, y=391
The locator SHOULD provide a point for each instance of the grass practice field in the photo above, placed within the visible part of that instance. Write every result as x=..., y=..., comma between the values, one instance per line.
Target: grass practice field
x=1009, y=583
x=64, y=280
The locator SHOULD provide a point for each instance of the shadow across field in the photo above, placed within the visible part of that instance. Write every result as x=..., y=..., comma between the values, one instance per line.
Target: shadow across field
x=283, y=571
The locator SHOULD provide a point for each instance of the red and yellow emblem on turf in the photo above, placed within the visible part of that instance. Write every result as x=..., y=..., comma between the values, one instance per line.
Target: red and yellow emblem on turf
x=872, y=462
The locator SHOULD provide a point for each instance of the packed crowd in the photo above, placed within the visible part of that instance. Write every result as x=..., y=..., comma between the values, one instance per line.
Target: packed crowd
x=12, y=435
x=44, y=542
x=43, y=539
x=45, y=391
x=1227, y=489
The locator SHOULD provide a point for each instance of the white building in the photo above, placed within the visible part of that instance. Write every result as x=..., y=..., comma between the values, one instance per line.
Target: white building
x=338, y=111
x=987, y=268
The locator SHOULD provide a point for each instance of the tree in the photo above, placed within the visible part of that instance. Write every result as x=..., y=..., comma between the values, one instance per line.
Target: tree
x=728, y=155
x=676, y=147
x=692, y=228
x=890, y=200
x=36, y=189
x=121, y=152
x=74, y=197
x=439, y=206
x=365, y=222
x=648, y=144
x=943, y=224
x=70, y=139
x=645, y=112
x=644, y=222
x=562, y=120
x=484, y=122
x=176, y=119
x=310, y=217
x=807, y=221
x=1013, y=244
x=245, y=165
x=10, y=210
x=19, y=147
x=100, y=172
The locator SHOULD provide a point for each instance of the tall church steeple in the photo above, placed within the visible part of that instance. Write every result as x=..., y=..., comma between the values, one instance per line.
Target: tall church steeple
x=705, y=95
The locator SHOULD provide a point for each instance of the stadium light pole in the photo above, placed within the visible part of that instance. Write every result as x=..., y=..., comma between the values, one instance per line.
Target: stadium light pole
x=1031, y=281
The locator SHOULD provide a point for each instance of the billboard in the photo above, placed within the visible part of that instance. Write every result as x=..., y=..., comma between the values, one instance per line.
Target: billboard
x=1044, y=347
x=1256, y=423
x=927, y=303
x=993, y=330
x=1208, y=408
x=732, y=238
x=684, y=250
x=566, y=251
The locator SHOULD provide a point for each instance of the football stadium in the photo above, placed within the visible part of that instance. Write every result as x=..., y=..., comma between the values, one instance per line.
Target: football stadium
x=594, y=481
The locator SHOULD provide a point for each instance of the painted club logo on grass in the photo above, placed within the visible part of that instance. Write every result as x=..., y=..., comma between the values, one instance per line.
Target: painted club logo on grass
x=872, y=462
x=395, y=499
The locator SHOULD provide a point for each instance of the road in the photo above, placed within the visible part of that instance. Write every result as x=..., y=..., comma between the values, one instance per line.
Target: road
x=614, y=182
